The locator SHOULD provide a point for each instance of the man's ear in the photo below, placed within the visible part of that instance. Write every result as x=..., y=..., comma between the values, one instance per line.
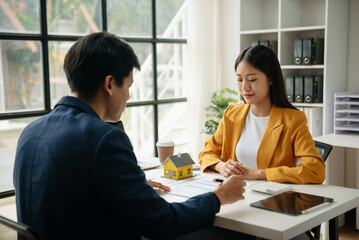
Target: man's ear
x=108, y=84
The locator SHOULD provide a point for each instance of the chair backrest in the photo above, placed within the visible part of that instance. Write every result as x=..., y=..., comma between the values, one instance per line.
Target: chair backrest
x=324, y=149
x=23, y=229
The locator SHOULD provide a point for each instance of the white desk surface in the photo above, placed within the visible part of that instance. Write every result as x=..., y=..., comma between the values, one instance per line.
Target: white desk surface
x=243, y=218
x=340, y=140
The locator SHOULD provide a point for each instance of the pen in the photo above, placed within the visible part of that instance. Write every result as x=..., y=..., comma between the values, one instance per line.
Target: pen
x=218, y=180
x=309, y=210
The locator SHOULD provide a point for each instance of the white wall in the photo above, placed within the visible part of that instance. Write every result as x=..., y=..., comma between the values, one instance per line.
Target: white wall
x=353, y=47
x=230, y=44
x=230, y=41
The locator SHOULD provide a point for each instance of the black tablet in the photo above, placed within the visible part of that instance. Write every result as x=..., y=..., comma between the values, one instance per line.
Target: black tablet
x=292, y=203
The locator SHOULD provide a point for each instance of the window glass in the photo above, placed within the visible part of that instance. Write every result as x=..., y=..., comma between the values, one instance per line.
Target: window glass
x=129, y=17
x=170, y=70
x=173, y=124
x=171, y=18
x=142, y=87
x=9, y=134
x=21, y=81
x=138, y=124
x=58, y=81
x=20, y=16
x=73, y=17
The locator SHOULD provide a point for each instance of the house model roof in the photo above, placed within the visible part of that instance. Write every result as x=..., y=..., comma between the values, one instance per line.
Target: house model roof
x=180, y=160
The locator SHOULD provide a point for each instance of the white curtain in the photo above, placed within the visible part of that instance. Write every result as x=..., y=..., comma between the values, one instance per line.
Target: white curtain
x=204, y=58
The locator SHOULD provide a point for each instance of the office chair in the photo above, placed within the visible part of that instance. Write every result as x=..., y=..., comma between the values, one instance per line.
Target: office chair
x=324, y=150
x=22, y=229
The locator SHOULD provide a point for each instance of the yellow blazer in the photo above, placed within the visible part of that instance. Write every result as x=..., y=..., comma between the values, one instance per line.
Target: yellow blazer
x=285, y=139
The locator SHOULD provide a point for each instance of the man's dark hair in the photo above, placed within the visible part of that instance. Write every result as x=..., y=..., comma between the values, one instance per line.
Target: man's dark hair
x=265, y=60
x=95, y=56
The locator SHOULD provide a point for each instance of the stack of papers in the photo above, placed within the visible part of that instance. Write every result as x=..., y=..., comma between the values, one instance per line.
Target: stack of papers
x=189, y=187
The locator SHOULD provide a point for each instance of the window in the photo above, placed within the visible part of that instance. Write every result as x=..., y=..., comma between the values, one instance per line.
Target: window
x=189, y=171
x=180, y=173
x=35, y=36
x=174, y=173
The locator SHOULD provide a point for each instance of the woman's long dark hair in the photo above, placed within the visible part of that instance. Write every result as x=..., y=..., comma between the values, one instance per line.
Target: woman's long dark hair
x=264, y=59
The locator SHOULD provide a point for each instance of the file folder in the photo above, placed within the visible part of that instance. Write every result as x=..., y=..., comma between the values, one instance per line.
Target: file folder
x=299, y=89
x=313, y=51
x=271, y=44
x=298, y=51
x=289, y=85
x=254, y=43
x=313, y=89
x=315, y=120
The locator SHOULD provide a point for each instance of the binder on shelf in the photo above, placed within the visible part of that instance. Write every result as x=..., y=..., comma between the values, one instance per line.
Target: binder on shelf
x=289, y=85
x=254, y=43
x=313, y=51
x=314, y=120
x=299, y=89
x=271, y=44
x=298, y=51
x=313, y=89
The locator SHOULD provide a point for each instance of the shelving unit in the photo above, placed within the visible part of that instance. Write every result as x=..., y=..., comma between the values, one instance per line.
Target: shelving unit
x=346, y=113
x=285, y=20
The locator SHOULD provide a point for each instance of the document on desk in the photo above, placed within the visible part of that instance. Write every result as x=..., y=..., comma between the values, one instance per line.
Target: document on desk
x=189, y=187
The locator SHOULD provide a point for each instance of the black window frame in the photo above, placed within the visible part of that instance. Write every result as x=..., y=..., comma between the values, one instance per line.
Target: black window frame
x=45, y=38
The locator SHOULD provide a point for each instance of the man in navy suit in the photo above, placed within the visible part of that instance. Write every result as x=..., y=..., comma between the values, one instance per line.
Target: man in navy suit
x=76, y=176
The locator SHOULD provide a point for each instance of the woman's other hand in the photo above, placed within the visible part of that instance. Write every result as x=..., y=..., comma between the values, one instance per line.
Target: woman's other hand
x=229, y=168
x=253, y=174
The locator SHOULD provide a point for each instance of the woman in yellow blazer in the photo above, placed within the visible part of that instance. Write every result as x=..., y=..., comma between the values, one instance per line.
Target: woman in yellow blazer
x=264, y=137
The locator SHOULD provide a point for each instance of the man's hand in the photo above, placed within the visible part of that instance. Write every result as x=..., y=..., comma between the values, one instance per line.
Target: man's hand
x=158, y=187
x=231, y=190
x=229, y=168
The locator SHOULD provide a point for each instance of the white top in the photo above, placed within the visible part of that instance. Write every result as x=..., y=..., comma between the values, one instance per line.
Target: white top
x=247, y=146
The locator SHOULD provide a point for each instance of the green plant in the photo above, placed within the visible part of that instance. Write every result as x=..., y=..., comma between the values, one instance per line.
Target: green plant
x=219, y=102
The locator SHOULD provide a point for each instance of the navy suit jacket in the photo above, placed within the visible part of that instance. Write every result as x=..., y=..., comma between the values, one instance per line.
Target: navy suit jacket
x=76, y=177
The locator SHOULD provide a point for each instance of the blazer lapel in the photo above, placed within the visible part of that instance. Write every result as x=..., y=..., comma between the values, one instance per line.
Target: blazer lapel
x=270, y=138
x=235, y=133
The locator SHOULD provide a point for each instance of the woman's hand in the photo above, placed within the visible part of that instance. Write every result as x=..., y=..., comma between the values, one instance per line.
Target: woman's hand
x=229, y=168
x=158, y=187
x=253, y=174
x=232, y=167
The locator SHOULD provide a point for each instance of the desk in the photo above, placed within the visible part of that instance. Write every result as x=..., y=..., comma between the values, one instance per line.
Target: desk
x=241, y=217
x=340, y=140
x=343, y=162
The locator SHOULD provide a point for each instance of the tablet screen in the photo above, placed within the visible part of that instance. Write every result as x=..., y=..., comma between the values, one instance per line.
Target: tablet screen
x=292, y=203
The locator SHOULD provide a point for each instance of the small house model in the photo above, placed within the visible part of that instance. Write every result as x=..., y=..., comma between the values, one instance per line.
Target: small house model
x=178, y=166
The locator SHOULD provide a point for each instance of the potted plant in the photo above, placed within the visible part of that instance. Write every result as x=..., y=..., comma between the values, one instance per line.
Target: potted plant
x=219, y=102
